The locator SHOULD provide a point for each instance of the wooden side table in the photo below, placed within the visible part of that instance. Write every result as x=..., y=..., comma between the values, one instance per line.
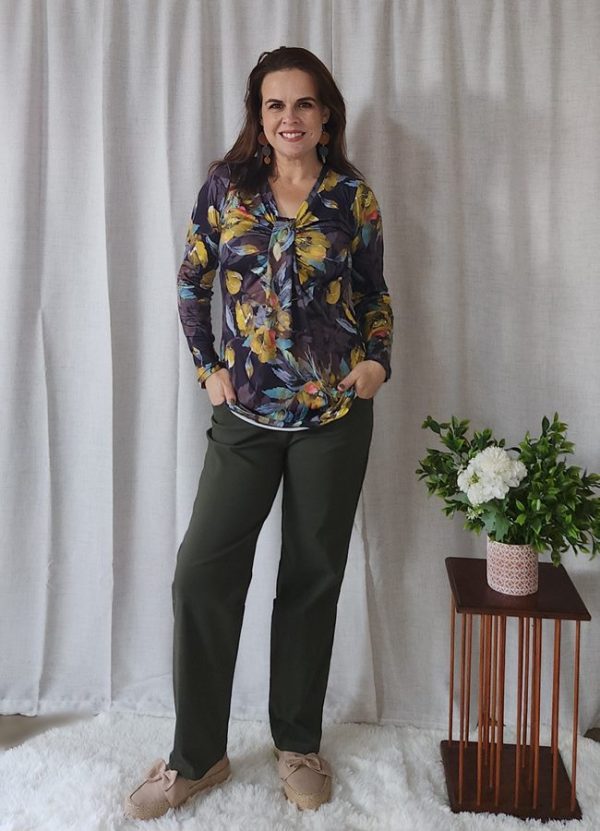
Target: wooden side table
x=524, y=779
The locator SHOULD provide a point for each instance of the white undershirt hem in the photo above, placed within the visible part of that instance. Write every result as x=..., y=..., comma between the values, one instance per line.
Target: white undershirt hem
x=266, y=426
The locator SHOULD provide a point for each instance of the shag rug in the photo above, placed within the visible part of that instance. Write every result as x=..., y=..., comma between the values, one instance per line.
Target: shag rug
x=386, y=778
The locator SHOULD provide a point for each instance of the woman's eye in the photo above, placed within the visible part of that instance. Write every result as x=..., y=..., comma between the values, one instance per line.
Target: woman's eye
x=303, y=104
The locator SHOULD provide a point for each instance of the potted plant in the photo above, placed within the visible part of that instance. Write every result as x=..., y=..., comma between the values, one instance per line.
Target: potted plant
x=528, y=504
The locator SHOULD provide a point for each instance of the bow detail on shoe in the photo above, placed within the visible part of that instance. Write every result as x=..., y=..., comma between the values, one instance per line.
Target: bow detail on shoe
x=311, y=760
x=159, y=772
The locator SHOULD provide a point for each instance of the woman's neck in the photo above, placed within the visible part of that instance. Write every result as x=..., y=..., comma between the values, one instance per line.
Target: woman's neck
x=296, y=171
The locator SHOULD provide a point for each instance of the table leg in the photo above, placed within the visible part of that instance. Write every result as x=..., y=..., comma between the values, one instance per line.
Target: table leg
x=480, y=706
x=488, y=672
x=486, y=704
x=494, y=670
x=555, y=703
x=469, y=645
x=575, y=711
x=532, y=705
x=461, y=746
x=451, y=696
x=519, y=703
x=538, y=678
x=527, y=627
x=500, y=709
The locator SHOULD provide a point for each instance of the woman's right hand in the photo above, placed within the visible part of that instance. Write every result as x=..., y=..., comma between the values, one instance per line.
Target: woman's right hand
x=219, y=387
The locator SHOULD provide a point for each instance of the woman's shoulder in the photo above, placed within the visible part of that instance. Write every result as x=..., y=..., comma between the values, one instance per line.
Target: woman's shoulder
x=219, y=172
x=352, y=192
x=357, y=185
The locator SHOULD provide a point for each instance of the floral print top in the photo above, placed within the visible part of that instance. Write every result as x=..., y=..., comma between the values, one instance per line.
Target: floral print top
x=304, y=297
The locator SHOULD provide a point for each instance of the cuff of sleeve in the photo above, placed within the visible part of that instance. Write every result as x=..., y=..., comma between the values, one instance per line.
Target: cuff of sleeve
x=384, y=360
x=204, y=372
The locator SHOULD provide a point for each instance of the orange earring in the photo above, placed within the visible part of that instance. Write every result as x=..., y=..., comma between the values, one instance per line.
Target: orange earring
x=266, y=148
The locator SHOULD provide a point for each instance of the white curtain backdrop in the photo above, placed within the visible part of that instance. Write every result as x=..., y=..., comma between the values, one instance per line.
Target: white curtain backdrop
x=476, y=122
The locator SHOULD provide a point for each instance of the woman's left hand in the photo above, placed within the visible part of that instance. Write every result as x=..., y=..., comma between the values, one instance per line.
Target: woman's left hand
x=366, y=377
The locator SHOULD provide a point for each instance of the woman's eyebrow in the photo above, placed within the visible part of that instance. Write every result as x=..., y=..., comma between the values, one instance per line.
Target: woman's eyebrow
x=277, y=101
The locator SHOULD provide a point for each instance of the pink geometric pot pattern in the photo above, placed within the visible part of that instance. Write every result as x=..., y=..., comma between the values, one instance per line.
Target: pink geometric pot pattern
x=512, y=569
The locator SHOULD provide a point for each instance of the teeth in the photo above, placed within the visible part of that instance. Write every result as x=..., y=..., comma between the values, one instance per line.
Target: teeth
x=291, y=135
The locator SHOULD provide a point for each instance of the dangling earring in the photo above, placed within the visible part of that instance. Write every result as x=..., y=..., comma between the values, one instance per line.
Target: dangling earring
x=266, y=148
x=322, y=148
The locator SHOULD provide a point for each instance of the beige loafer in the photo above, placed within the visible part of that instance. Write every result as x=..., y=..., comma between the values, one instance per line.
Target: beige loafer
x=306, y=778
x=163, y=789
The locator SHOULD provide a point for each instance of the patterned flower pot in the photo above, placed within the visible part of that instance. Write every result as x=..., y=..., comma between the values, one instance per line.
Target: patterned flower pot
x=512, y=569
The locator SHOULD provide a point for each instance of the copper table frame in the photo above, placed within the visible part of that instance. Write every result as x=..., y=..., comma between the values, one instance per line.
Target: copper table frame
x=523, y=779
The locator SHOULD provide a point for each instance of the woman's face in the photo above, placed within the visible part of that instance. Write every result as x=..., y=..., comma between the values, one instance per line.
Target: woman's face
x=290, y=105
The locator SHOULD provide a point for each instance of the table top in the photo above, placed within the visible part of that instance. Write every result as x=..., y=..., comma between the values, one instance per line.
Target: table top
x=556, y=596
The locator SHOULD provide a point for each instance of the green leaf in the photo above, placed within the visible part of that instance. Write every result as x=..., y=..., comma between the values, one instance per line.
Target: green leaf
x=502, y=526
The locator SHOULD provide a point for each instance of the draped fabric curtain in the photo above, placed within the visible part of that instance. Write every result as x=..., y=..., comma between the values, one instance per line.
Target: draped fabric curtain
x=476, y=122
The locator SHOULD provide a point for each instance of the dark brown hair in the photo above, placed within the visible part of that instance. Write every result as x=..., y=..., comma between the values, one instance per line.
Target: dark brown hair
x=248, y=171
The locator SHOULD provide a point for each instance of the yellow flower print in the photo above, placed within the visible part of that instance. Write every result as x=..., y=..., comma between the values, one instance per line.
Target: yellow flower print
x=367, y=215
x=213, y=217
x=311, y=248
x=333, y=291
x=237, y=223
x=198, y=254
x=243, y=317
x=312, y=395
x=284, y=322
x=330, y=181
x=306, y=218
x=207, y=279
x=263, y=344
x=356, y=356
x=229, y=356
x=349, y=313
x=233, y=281
x=339, y=411
x=364, y=207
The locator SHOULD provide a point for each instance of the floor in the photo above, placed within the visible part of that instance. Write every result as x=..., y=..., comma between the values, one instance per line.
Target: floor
x=15, y=730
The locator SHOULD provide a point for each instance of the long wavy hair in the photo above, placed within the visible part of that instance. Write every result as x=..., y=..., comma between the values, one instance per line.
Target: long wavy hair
x=248, y=170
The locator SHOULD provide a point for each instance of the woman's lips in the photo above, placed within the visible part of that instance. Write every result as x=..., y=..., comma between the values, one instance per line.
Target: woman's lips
x=294, y=138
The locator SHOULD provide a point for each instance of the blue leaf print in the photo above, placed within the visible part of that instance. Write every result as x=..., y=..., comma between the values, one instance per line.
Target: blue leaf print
x=186, y=292
x=346, y=325
x=279, y=393
x=229, y=319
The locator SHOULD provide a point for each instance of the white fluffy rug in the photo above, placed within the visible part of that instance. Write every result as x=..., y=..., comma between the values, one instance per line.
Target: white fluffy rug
x=388, y=778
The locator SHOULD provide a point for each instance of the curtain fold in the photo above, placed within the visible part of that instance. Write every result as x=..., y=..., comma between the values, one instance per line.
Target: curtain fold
x=476, y=124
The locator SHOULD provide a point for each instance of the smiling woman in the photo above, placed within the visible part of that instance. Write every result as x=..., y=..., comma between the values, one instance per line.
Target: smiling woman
x=295, y=233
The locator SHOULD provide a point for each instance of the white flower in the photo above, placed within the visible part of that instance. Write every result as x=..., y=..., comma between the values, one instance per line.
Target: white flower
x=489, y=475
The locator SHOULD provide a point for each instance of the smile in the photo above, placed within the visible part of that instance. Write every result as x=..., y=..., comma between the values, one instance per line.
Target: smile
x=292, y=136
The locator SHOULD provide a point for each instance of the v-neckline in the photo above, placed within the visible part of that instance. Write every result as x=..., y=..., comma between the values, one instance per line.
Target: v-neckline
x=270, y=198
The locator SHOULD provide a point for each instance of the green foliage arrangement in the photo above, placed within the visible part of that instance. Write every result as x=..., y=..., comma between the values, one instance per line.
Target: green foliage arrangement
x=535, y=499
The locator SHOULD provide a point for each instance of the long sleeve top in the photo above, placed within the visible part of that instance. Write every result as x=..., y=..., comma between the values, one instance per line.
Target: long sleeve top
x=304, y=297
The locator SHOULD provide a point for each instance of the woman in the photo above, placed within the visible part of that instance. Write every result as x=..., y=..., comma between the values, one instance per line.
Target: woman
x=296, y=235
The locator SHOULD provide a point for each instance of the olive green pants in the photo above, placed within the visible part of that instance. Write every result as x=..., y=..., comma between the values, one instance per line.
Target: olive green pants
x=323, y=470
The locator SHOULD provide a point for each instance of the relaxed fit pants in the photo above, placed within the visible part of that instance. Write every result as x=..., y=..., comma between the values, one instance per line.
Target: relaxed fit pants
x=323, y=470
